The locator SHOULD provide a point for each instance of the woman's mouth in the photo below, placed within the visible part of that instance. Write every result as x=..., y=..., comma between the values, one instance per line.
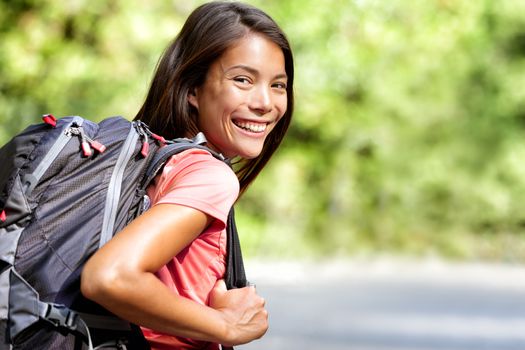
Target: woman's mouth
x=251, y=126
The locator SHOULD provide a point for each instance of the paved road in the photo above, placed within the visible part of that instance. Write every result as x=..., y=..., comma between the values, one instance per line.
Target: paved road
x=391, y=305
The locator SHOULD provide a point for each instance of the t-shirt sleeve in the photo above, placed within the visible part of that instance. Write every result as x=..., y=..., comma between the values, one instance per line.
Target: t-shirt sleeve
x=194, y=178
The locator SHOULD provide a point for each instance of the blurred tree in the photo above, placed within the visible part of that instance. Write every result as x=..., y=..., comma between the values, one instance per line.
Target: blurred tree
x=409, y=122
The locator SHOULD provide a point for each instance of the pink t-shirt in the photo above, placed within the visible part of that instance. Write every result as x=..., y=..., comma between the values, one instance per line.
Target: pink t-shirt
x=195, y=179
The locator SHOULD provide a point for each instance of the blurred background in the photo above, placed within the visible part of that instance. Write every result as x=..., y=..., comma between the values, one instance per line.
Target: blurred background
x=407, y=140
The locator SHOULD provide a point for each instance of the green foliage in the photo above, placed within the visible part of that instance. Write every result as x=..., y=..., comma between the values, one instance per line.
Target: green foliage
x=409, y=117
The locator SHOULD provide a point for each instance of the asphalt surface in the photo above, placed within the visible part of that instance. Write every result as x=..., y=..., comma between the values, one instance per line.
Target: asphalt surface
x=387, y=304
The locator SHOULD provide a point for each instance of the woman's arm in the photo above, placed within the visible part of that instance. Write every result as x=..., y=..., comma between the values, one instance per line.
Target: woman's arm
x=120, y=277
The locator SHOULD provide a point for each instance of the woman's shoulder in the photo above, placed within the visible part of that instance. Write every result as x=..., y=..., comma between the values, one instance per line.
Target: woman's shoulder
x=200, y=168
x=197, y=159
x=197, y=179
x=196, y=155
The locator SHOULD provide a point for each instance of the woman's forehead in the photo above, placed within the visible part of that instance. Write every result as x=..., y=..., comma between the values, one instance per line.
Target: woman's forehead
x=255, y=51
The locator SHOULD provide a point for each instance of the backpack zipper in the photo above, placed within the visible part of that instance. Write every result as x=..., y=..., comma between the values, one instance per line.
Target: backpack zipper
x=115, y=184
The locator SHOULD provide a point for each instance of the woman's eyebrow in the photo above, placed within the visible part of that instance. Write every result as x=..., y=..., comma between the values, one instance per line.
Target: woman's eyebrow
x=254, y=71
x=245, y=67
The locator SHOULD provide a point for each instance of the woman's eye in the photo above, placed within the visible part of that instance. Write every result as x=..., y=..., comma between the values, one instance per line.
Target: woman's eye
x=242, y=80
x=279, y=86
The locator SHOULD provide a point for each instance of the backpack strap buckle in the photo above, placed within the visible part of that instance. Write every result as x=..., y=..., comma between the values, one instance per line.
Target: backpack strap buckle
x=60, y=316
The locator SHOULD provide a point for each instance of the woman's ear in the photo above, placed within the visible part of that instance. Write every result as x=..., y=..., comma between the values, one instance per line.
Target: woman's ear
x=192, y=98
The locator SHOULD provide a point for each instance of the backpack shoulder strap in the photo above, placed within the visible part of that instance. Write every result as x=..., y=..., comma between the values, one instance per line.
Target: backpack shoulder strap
x=176, y=146
x=235, y=275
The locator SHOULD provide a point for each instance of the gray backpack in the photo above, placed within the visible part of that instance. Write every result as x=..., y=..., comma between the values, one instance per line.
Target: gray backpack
x=67, y=186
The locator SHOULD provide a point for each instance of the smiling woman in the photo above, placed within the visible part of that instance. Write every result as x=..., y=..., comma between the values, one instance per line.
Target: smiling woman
x=243, y=97
x=206, y=37
x=229, y=75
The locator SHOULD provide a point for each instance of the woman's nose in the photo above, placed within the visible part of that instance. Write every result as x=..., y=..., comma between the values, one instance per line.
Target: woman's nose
x=261, y=100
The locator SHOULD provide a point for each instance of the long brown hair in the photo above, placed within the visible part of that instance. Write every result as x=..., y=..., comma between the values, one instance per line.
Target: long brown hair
x=208, y=32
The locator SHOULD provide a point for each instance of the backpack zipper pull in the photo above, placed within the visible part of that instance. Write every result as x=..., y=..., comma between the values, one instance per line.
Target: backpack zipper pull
x=97, y=146
x=75, y=130
x=160, y=139
x=87, y=143
x=86, y=147
x=145, y=131
x=144, y=150
x=145, y=146
x=50, y=120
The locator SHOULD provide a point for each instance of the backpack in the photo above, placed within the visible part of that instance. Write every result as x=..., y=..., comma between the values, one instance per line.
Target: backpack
x=67, y=186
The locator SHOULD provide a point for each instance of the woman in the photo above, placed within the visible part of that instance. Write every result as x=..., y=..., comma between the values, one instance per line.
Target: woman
x=228, y=74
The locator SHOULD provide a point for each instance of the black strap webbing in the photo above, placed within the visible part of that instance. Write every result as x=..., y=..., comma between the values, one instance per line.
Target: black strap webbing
x=235, y=274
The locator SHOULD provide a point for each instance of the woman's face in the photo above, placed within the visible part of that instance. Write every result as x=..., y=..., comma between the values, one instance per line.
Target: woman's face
x=243, y=97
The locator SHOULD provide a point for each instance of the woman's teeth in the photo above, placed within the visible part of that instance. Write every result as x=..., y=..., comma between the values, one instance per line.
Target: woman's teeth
x=251, y=126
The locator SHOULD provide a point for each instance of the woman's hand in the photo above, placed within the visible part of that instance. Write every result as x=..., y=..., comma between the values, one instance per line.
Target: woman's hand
x=243, y=310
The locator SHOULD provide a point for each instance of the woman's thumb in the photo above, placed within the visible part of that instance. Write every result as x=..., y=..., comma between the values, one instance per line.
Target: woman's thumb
x=217, y=294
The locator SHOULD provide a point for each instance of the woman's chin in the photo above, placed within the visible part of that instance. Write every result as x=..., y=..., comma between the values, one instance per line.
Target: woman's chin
x=251, y=154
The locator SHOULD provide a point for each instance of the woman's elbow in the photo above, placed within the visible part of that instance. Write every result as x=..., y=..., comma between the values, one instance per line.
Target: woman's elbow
x=97, y=283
